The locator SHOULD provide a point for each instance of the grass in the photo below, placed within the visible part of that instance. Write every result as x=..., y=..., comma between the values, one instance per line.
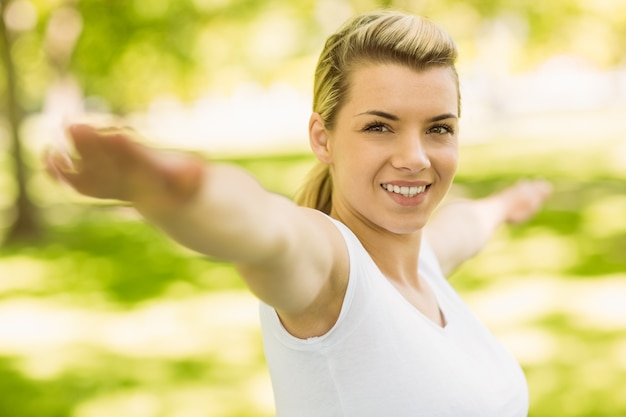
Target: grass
x=107, y=317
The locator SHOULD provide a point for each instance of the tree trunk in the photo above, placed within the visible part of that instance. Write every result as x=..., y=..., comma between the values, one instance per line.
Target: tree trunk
x=27, y=225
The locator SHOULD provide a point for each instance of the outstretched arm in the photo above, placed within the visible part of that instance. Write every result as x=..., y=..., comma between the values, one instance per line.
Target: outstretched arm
x=215, y=209
x=460, y=229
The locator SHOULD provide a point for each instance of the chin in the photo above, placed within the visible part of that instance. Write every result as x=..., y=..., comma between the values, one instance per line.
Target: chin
x=406, y=229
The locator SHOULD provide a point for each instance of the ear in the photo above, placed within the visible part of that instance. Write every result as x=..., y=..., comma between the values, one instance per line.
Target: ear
x=318, y=138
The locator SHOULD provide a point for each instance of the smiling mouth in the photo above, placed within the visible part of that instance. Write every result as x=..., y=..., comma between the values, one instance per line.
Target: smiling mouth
x=404, y=191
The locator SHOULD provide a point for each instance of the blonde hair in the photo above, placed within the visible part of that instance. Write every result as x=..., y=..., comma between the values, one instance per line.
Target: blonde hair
x=383, y=36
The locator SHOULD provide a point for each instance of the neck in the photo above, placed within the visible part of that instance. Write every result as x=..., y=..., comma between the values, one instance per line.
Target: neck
x=396, y=255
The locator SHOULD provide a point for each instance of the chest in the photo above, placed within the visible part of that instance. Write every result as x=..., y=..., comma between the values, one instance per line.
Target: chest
x=404, y=354
x=423, y=300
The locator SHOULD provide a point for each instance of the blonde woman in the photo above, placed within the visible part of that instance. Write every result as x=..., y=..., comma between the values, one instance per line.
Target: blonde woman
x=357, y=316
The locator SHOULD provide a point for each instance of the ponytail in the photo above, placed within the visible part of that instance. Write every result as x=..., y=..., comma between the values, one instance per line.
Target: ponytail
x=317, y=190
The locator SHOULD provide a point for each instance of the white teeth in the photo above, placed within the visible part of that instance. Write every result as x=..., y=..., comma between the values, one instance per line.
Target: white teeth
x=404, y=191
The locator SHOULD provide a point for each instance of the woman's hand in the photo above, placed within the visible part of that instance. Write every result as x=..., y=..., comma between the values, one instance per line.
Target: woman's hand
x=461, y=229
x=110, y=164
x=522, y=200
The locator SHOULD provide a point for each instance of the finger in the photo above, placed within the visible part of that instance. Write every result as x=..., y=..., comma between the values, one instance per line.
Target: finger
x=88, y=138
x=94, y=145
x=545, y=188
x=69, y=176
x=51, y=166
x=541, y=188
x=59, y=162
x=61, y=169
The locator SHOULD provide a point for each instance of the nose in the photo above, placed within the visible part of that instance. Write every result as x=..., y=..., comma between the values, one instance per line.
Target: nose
x=411, y=154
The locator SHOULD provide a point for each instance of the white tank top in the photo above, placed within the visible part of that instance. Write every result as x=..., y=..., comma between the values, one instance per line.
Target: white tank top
x=385, y=358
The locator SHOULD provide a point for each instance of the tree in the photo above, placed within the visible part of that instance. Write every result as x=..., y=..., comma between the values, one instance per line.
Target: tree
x=27, y=224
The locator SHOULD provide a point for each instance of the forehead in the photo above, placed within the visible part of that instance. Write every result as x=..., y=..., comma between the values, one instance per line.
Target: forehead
x=399, y=89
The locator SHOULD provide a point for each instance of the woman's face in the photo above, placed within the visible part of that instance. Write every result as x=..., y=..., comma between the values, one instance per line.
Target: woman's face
x=393, y=152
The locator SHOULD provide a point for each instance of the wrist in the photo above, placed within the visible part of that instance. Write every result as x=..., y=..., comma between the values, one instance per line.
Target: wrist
x=169, y=189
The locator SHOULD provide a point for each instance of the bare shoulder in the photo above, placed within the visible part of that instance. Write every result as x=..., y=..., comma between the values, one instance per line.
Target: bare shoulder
x=307, y=281
x=323, y=303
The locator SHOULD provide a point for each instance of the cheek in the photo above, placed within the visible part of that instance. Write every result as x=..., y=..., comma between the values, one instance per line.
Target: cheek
x=355, y=169
x=454, y=159
x=447, y=156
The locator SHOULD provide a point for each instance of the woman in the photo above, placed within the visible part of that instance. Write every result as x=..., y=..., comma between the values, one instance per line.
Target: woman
x=357, y=317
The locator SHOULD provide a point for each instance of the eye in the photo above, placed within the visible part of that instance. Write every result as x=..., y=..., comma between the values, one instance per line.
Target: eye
x=376, y=127
x=442, y=129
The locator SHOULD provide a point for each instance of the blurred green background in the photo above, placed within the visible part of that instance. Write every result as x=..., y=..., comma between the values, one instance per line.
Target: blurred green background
x=100, y=315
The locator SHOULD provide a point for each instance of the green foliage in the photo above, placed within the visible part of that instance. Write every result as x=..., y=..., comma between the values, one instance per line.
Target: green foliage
x=132, y=52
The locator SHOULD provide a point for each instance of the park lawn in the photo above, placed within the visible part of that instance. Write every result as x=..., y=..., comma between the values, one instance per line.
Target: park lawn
x=107, y=317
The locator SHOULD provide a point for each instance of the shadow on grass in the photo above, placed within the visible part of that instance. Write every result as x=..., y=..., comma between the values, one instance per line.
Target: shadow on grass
x=582, y=379
x=132, y=386
x=126, y=261
x=25, y=397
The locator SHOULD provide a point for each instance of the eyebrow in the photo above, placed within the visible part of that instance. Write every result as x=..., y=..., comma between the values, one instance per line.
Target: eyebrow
x=393, y=117
x=443, y=117
x=380, y=114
